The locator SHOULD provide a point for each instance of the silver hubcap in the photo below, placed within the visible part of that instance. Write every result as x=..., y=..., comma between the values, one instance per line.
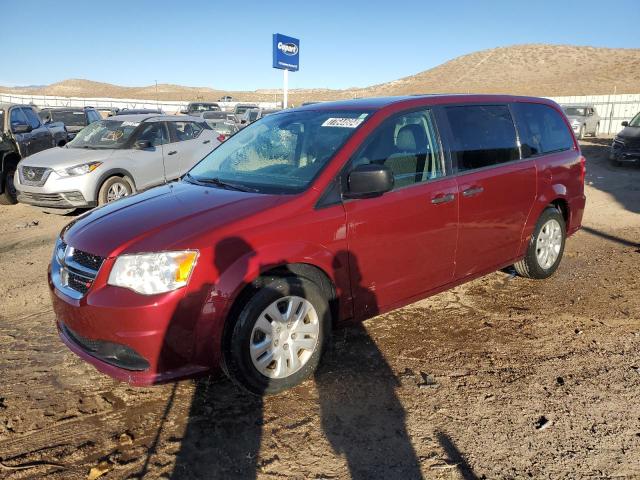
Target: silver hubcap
x=116, y=191
x=548, y=243
x=284, y=337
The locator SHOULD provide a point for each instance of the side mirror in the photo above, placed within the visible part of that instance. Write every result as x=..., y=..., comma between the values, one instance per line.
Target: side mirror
x=369, y=180
x=21, y=128
x=625, y=124
x=142, y=144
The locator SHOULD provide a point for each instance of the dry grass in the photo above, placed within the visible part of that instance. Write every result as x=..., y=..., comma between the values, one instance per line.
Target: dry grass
x=548, y=70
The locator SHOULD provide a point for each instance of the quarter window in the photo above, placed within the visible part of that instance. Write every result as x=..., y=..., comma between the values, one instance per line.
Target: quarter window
x=483, y=135
x=408, y=145
x=542, y=129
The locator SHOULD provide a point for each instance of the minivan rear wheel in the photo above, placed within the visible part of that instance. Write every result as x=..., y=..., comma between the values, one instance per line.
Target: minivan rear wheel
x=546, y=246
x=277, y=339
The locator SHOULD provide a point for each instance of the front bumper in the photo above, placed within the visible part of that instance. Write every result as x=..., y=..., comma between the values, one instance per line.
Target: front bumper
x=623, y=153
x=139, y=339
x=59, y=192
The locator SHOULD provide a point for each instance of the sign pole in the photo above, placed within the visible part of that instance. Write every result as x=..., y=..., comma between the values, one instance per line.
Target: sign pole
x=285, y=87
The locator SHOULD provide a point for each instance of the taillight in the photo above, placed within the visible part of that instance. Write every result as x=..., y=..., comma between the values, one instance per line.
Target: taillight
x=583, y=168
x=221, y=138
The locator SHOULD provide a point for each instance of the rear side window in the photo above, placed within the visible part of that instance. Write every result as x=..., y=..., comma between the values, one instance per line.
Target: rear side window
x=483, y=135
x=542, y=129
x=185, y=130
x=408, y=145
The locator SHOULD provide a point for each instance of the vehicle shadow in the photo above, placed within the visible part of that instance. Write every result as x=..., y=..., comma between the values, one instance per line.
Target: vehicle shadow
x=361, y=415
x=621, y=182
x=455, y=456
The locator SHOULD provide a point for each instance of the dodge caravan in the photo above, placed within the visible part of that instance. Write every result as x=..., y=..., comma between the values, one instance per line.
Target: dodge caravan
x=310, y=218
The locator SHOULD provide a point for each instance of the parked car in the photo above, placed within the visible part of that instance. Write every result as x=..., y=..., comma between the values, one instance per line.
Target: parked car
x=113, y=158
x=584, y=120
x=226, y=98
x=313, y=217
x=248, y=117
x=22, y=133
x=73, y=118
x=626, y=144
x=195, y=108
x=241, y=108
x=138, y=111
x=224, y=128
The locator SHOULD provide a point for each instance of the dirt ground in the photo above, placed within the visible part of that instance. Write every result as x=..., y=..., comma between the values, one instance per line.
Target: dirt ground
x=500, y=378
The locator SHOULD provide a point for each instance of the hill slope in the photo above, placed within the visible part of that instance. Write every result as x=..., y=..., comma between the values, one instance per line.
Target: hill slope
x=549, y=70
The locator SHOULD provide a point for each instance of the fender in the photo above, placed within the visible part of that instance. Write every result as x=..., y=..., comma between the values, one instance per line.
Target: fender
x=247, y=267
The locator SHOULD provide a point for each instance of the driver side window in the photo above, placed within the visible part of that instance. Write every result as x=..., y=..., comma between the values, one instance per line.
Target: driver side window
x=407, y=144
x=154, y=133
x=17, y=117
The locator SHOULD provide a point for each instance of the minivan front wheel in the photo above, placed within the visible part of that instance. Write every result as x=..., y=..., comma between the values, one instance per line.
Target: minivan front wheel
x=545, y=247
x=278, y=337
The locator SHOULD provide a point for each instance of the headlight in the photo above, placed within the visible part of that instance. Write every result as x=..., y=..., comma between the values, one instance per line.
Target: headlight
x=78, y=169
x=151, y=273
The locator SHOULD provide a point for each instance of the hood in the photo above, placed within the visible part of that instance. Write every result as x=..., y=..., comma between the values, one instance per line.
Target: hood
x=163, y=218
x=630, y=133
x=63, y=157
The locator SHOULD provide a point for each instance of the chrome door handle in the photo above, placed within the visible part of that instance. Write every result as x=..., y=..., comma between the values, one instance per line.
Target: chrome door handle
x=470, y=192
x=207, y=141
x=173, y=152
x=438, y=199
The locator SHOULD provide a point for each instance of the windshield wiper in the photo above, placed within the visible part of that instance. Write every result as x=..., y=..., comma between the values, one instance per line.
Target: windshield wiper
x=220, y=183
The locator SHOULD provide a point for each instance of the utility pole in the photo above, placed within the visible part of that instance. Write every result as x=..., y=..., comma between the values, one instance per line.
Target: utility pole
x=157, y=102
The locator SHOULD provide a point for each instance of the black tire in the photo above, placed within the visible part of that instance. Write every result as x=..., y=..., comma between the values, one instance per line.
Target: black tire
x=9, y=194
x=123, y=182
x=529, y=266
x=237, y=362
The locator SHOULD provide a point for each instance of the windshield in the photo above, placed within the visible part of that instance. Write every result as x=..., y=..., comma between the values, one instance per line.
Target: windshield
x=202, y=107
x=575, y=111
x=253, y=114
x=104, y=134
x=241, y=109
x=635, y=121
x=280, y=153
x=74, y=119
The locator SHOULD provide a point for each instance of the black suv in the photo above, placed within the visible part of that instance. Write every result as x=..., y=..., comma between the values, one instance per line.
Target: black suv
x=74, y=118
x=22, y=133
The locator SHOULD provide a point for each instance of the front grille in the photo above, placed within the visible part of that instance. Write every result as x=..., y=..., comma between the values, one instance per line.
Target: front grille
x=34, y=175
x=112, y=353
x=87, y=260
x=79, y=283
x=74, y=271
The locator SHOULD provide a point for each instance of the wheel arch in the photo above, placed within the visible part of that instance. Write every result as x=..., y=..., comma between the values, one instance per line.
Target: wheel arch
x=8, y=158
x=114, y=172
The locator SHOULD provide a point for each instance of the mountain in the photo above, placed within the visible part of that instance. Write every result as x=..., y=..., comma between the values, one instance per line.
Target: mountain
x=541, y=70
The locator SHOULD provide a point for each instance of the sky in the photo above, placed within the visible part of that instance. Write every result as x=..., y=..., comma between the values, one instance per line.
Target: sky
x=227, y=45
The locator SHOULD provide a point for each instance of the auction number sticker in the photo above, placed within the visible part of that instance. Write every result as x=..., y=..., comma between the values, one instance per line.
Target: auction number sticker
x=342, y=122
x=130, y=124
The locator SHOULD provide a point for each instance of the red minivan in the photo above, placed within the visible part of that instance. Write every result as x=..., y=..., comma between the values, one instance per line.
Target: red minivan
x=312, y=217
